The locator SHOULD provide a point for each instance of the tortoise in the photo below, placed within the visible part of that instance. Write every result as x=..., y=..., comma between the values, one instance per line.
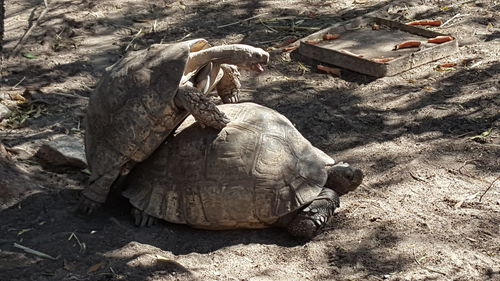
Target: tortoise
x=256, y=172
x=146, y=95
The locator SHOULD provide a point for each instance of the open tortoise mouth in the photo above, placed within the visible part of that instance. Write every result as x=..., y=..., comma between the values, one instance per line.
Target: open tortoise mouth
x=256, y=67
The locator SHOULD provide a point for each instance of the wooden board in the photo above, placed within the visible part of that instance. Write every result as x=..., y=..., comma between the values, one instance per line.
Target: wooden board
x=359, y=38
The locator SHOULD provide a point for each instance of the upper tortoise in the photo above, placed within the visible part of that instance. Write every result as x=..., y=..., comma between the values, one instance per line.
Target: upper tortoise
x=256, y=172
x=147, y=94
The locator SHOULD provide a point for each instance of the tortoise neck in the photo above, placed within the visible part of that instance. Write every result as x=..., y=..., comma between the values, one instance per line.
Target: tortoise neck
x=219, y=55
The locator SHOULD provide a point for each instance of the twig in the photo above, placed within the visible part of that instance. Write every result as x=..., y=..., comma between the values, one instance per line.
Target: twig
x=71, y=96
x=295, y=27
x=487, y=189
x=28, y=32
x=153, y=28
x=269, y=41
x=34, y=252
x=133, y=39
x=83, y=247
x=476, y=64
x=464, y=2
x=267, y=26
x=417, y=178
x=281, y=18
x=115, y=221
x=452, y=18
x=467, y=163
x=184, y=37
x=17, y=84
x=415, y=257
x=240, y=21
x=425, y=267
x=433, y=270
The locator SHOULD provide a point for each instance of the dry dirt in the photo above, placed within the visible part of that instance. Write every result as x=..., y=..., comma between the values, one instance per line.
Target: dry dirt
x=419, y=215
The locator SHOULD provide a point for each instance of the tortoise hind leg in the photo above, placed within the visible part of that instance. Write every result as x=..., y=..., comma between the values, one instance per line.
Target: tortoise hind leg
x=201, y=107
x=142, y=219
x=311, y=220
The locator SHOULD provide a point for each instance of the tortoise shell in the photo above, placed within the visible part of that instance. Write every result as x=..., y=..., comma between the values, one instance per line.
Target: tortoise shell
x=254, y=171
x=132, y=109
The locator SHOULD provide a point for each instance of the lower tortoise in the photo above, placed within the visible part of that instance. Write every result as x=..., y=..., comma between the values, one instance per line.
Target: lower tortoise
x=256, y=172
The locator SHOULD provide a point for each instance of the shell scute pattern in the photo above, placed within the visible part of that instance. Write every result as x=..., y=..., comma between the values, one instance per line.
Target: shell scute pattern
x=249, y=174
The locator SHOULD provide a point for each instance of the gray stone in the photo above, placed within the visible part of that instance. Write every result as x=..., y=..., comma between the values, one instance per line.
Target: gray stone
x=5, y=112
x=63, y=151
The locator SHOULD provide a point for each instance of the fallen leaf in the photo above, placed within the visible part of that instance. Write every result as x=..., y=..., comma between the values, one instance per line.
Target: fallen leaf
x=18, y=97
x=142, y=20
x=303, y=67
x=442, y=69
x=382, y=60
x=459, y=204
x=29, y=55
x=69, y=266
x=22, y=231
x=482, y=135
x=95, y=267
x=312, y=42
x=286, y=42
x=331, y=70
x=447, y=65
x=312, y=15
x=330, y=36
x=351, y=53
x=289, y=49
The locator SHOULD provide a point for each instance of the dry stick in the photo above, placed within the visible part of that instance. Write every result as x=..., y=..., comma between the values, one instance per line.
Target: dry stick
x=17, y=84
x=285, y=27
x=267, y=26
x=240, y=21
x=417, y=178
x=452, y=18
x=34, y=252
x=489, y=187
x=28, y=32
x=133, y=39
x=83, y=246
x=184, y=37
x=425, y=267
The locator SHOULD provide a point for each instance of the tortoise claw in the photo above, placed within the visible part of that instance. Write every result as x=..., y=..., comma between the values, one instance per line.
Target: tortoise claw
x=234, y=97
x=311, y=220
x=142, y=219
x=87, y=206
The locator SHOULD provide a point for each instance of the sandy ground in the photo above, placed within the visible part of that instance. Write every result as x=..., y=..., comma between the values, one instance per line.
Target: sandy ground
x=421, y=214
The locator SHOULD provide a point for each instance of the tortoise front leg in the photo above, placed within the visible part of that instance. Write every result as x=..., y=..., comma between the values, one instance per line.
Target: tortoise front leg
x=97, y=191
x=201, y=107
x=312, y=219
x=228, y=88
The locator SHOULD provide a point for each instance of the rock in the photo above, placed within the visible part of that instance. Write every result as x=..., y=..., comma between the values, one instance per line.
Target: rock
x=15, y=183
x=5, y=112
x=63, y=151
